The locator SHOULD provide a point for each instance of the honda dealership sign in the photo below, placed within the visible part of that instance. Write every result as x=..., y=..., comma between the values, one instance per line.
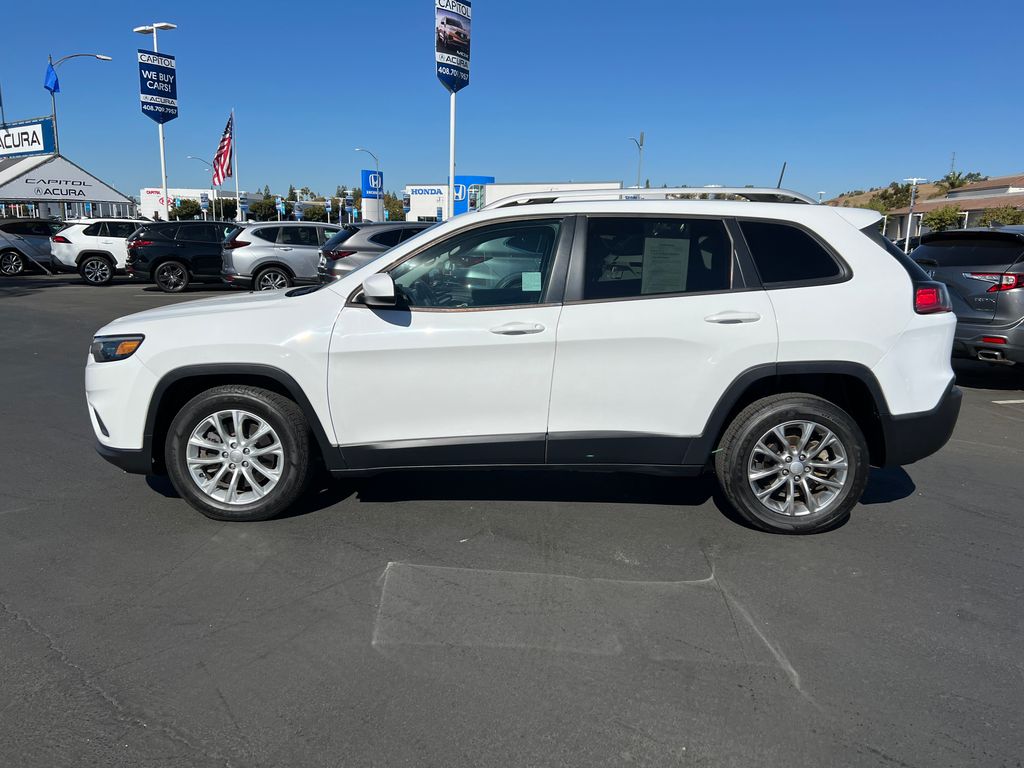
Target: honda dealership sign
x=452, y=30
x=158, y=86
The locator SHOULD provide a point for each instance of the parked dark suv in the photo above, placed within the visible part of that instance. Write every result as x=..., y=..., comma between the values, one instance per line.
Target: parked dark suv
x=984, y=270
x=173, y=254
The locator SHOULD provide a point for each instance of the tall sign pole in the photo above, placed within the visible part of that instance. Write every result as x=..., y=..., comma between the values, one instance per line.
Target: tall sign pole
x=158, y=92
x=452, y=30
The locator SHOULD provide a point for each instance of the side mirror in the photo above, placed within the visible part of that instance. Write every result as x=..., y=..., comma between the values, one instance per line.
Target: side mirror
x=379, y=290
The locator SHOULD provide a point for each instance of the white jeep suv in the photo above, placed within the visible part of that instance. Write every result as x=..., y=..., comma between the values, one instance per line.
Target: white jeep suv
x=781, y=344
x=94, y=248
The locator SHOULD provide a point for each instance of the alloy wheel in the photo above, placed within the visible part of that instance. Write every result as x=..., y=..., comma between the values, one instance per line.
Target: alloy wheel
x=96, y=271
x=798, y=468
x=11, y=263
x=235, y=457
x=272, y=280
x=171, y=277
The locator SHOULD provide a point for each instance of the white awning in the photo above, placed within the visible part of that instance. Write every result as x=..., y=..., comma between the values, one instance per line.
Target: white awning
x=52, y=179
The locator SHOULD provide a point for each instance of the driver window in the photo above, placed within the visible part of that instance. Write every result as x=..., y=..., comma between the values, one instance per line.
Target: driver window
x=492, y=266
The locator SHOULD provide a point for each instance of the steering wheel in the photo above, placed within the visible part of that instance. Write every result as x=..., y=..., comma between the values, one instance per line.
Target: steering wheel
x=420, y=294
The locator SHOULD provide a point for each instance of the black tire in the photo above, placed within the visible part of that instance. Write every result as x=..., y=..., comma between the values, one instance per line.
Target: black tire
x=96, y=270
x=271, y=279
x=171, y=276
x=739, y=460
x=280, y=413
x=11, y=263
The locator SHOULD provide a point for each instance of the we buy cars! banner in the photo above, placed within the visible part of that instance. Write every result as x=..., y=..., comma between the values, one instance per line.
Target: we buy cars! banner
x=452, y=20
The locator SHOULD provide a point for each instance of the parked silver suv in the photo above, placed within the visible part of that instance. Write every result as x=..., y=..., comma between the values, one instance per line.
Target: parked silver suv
x=269, y=255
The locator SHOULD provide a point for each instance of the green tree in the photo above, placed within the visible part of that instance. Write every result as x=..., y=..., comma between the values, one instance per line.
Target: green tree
x=226, y=208
x=973, y=176
x=946, y=217
x=292, y=194
x=266, y=190
x=894, y=196
x=314, y=213
x=1005, y=215
x=393, y=205
x=189, y=209
x=266, y=210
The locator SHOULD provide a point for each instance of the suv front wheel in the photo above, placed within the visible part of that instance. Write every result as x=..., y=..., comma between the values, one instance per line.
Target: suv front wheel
x=239, y=453
x=793, y=463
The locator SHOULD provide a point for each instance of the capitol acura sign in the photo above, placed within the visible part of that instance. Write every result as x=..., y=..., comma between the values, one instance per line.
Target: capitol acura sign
x=27, y=137
x=58, y=180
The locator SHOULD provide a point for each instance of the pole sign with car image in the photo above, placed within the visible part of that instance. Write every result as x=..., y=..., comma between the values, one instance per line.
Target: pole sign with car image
x=158, y=86
x=452, y=20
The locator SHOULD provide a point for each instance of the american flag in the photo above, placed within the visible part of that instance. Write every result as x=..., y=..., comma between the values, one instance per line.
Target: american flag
x=222, y=160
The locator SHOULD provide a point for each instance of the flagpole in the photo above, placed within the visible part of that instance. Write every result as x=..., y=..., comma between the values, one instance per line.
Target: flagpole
x=234, y=164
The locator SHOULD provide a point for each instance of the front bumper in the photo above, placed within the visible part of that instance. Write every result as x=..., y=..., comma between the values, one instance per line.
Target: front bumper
x=137, y=462
x=913, y=436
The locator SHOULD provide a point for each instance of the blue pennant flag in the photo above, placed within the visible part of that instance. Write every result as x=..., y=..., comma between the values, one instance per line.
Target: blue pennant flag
x=51, y=83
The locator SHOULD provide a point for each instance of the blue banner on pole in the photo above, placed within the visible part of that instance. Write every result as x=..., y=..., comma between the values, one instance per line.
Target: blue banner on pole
x=158, y=86
x=452, y=22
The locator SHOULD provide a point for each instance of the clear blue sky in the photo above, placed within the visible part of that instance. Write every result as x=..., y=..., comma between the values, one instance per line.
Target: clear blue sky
x=851, y=95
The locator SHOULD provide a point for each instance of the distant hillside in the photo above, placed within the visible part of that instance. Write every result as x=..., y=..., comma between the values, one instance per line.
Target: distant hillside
x=859, y=200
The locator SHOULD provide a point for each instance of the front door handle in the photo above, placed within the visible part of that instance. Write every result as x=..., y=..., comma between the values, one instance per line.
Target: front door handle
x=517, y=329
x=732, y=318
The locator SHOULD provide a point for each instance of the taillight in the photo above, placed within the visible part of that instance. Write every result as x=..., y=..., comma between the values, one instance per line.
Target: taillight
x=138, y=243
x=230, y=244
x=60, y=239
x=335, y=255
x=931, y=298
x=999, y=280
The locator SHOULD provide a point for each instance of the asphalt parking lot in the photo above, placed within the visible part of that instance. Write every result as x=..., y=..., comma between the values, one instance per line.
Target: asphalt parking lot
x=492, y=619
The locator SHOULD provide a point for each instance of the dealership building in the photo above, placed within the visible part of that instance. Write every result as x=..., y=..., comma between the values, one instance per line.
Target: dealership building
x=428, y=202
x=36, y=181
x=151, y=199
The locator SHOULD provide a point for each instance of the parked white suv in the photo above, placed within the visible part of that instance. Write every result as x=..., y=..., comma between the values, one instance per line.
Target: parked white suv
x=94, y=248
x=779, y=343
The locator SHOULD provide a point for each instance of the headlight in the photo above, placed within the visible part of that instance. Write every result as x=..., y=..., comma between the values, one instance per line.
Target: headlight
x=106, y=349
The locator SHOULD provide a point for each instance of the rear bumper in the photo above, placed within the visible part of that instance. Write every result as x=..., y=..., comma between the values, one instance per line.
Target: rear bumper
x=970, y=339
x=913, y=436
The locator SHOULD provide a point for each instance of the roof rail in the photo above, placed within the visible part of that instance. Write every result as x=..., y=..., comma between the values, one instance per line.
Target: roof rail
x=749, y=194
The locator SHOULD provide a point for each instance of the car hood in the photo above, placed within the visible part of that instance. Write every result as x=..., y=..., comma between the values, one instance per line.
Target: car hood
x=216, y=306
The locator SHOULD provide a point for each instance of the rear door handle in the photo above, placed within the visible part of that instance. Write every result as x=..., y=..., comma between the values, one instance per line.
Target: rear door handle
x=517, y=329
x=732, y=318
x=285, y=248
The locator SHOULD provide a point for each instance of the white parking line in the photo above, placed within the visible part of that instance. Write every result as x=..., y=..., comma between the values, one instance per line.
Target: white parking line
x=1008, y=402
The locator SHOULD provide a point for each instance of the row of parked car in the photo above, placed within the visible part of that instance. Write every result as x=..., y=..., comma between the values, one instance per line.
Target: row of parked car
x=175, y=254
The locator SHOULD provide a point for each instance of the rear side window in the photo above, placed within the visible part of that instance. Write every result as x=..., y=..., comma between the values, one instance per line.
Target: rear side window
x=786, y=254
x=632, y=257
x=969, y=252
x=299, y=236
x=388, y=238
x=200, y=233
x=267, y=233
x=408, y=232
x=95, y=230
x=120, y=228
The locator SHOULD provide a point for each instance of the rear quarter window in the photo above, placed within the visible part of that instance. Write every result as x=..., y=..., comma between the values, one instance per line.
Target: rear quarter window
x=784, y=254
x=969, y=252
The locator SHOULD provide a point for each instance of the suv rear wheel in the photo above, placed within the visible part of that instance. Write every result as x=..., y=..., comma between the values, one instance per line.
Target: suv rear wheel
x=239, y=453
x=272, y=279
x=11, y=263
x=793, y=463
x=96, y=270
x=171, y=277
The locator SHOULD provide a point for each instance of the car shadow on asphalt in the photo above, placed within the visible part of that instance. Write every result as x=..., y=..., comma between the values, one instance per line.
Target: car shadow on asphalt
x=884, y=486
x=974, y=374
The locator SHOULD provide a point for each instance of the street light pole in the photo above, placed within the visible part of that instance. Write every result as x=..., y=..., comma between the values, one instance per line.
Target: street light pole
x=53, y=98
x=212, y=188
x=914, y=181
x=640, y=160
x=145, y=30
x=380, y=193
